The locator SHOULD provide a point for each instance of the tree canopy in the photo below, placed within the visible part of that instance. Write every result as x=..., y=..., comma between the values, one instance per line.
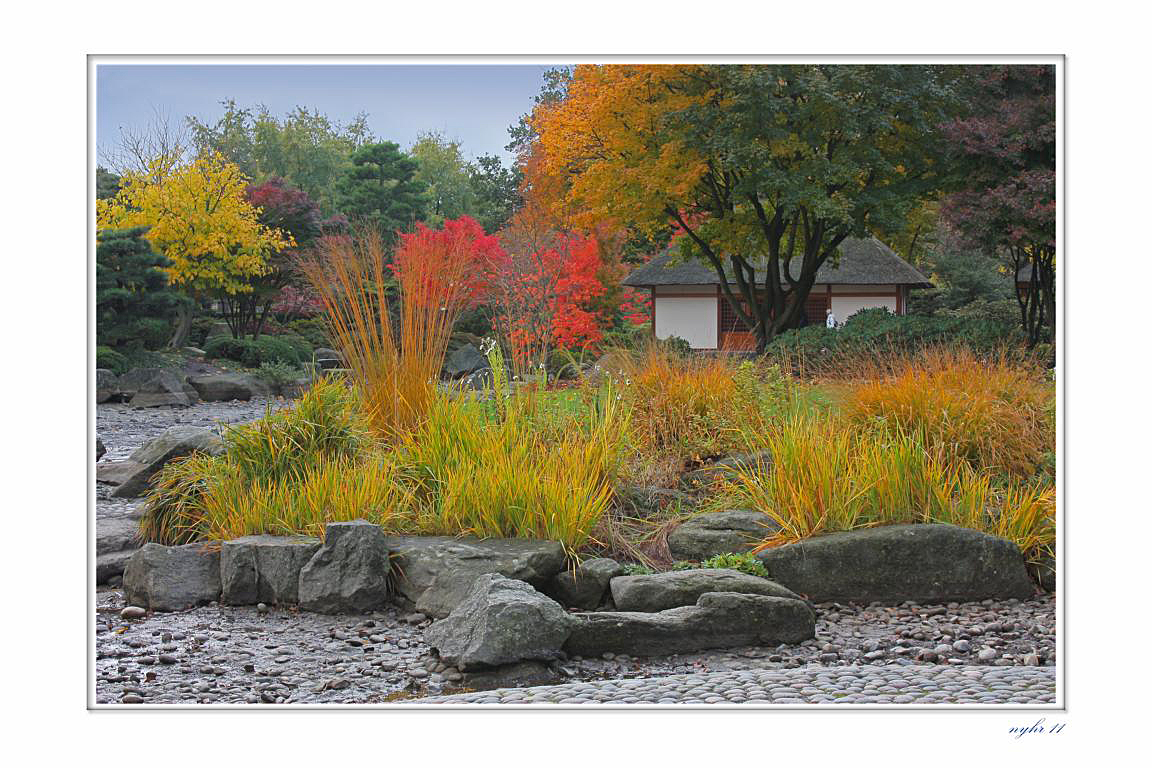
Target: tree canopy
x=381, y=188
x=764, y=170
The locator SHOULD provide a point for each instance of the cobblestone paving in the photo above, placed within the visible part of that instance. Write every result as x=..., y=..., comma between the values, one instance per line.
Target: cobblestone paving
x=813, y=684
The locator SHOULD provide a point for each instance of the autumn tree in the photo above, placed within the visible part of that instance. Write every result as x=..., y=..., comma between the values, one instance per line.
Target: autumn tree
x=197, y=215
x=381, y=189
x=291, y=211
x=134, y=303
x=305, y=148
x=544, y=285
x=764, y=169
x=1003, y=152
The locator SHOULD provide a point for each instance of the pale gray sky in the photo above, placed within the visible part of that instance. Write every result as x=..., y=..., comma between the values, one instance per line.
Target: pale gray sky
x=473, y=104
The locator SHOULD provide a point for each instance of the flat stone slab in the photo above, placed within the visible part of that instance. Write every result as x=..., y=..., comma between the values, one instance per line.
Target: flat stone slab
x=722, y=532
x=437, y=572
x=652, y=592
x=218, y=387
x=718, y=620
x=164, y=389
x=264, y=569
x=164, y=578
x=922, y=563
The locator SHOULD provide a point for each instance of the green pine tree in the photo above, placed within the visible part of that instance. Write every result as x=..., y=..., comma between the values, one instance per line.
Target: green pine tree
x=134, y=303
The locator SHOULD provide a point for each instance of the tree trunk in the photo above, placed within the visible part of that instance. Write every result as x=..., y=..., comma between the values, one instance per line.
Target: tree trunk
x=183, y=325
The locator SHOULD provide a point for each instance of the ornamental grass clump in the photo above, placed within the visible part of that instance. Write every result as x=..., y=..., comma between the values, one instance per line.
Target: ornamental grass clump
x=828, y=474
x=996, y=414
x=290, y=472
x=394, y=345
x=500, y=475
x=694, y=408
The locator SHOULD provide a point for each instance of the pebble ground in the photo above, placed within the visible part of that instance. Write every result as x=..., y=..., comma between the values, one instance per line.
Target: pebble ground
x=811, y=684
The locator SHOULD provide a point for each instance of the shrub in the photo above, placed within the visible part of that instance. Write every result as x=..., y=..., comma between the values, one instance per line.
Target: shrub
x=278, y=376
x=746, y=562
x=288, y=350
x=311, y=329
x=996, y=414
x=106, y=357
x=873, y=337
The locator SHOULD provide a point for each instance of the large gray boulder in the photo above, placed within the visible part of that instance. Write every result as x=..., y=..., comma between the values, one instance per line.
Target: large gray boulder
x=134, y=475
x=584, y=588
x=922, y=563
x=717, y=620
x=465, y=360
x=164, y=578
x=166, y=388
x=107, y=386
x=264, y=569
x=717, y=533
x=437, y=572
x=215, y=387
x=523, y=674
x=500, y=621
x=652, y=592
x=349, y=573
x=129, y=382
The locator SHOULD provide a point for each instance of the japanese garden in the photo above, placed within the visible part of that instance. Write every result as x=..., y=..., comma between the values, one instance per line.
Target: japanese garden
x=723, y=384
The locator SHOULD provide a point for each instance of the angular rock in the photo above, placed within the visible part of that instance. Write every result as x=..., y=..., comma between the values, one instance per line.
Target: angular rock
x=164, y=389
x=193, y=351
x=100, y=449
x=349, y=573
x=110, y=566
x=652, y=592
x=465, y=360
x=134, y=475
x=216, y=387
x=718, y=620
x=264, y=569
x=164, y=578
x=584, y=588
x=522, y=675
x=107, y=386
x=116, y=540
x=129, y=382
x=1044, y=573
x=922, y=563
x=437, y=572
x=718, y=533
x=500, y=621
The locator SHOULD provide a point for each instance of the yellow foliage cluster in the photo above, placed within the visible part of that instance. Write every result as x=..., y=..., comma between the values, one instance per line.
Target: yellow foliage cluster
x=198, y=217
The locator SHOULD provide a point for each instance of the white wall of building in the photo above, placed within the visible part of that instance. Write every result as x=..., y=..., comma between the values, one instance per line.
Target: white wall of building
x=843, y=307
x=692, y=318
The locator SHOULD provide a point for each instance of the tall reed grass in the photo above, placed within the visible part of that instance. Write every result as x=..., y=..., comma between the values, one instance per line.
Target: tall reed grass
x=394, y=345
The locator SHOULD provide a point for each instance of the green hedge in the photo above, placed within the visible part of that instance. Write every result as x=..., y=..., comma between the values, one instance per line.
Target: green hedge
x=877, y=331
x=106, y=357
x=289, y=350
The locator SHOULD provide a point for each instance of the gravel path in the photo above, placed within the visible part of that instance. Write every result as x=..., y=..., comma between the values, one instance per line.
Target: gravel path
x=241, y=655
x=812, y=684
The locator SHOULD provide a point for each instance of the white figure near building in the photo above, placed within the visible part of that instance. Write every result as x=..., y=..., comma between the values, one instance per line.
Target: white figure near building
x=830, y=319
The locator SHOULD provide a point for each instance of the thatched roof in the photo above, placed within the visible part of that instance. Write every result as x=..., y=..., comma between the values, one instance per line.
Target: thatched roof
x=862, y=262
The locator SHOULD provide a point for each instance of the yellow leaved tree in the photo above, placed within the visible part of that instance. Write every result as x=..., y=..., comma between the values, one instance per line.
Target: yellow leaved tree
x=197, y=215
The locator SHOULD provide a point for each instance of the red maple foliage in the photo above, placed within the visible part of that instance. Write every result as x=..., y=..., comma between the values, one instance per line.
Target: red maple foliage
x=459, y=248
